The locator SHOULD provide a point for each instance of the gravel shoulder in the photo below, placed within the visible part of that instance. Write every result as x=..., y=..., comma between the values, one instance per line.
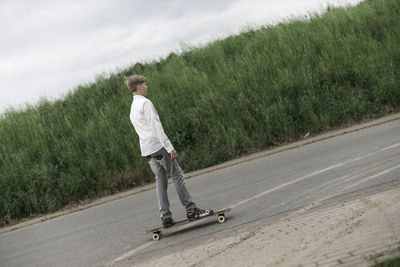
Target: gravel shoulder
x=355, y=229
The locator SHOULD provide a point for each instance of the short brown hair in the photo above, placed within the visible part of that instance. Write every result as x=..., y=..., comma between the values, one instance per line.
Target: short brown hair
x=133, y=81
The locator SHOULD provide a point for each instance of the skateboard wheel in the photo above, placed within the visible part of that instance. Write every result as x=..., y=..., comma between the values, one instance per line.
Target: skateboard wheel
x=221, y=218
x=156, y=236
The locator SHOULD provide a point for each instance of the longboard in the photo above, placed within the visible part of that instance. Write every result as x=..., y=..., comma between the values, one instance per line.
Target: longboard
x=158, y=231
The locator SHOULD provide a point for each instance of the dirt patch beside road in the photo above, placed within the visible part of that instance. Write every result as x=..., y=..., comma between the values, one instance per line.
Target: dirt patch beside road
x=355, y=229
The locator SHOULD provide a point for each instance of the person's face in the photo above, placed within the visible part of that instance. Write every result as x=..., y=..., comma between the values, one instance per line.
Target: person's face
x=142, y=89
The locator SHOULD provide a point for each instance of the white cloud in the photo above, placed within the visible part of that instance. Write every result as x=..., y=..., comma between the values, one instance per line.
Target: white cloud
x=49, y=47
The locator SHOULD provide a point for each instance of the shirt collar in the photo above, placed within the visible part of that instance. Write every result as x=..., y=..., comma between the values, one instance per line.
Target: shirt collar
x=138, y=96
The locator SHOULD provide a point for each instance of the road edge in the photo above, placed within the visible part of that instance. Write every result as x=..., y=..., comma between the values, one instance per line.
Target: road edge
x=227, y=164
x=243, y=232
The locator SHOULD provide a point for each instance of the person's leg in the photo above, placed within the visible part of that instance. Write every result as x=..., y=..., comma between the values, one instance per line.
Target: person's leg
x=161, y=188
x=176, y=174
x=172, y=169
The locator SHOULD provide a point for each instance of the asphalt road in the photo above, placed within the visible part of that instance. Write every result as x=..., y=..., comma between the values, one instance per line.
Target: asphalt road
x=255, y=190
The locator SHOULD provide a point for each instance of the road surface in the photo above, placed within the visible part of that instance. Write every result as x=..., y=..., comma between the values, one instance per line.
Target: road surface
x=255, y=189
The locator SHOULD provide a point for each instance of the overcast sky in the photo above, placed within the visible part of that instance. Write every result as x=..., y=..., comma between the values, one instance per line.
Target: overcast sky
x=48, y=47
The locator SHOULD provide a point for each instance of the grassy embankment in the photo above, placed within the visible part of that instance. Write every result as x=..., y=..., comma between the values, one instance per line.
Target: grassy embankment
x=234, y=96
x=391, y=261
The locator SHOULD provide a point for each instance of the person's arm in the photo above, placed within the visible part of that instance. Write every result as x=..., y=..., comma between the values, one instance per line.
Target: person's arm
x=154, y=119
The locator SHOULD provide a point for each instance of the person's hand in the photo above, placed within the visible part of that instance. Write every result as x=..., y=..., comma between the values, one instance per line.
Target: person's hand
x=173, y=154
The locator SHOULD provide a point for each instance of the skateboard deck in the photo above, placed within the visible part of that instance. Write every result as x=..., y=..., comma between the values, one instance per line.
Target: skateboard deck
x=158, y=231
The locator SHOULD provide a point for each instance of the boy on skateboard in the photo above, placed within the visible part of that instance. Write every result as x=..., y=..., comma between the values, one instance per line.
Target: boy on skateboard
x=159, y=152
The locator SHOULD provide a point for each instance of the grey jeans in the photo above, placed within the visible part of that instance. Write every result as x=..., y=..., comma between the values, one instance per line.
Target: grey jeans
x=162, y=167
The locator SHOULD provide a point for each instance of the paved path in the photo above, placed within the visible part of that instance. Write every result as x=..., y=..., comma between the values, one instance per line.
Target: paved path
x=355, y=229
x=259, y=186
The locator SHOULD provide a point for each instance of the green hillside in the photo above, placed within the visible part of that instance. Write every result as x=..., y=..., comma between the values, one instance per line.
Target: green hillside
x=234, y=96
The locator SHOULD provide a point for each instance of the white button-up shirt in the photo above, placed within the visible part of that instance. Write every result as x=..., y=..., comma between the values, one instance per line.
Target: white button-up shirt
x=147, y=124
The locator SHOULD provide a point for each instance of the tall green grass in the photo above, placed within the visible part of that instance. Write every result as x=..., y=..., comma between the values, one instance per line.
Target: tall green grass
x=234, y=96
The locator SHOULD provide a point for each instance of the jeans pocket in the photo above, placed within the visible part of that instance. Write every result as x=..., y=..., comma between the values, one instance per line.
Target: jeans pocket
x=158, y=157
